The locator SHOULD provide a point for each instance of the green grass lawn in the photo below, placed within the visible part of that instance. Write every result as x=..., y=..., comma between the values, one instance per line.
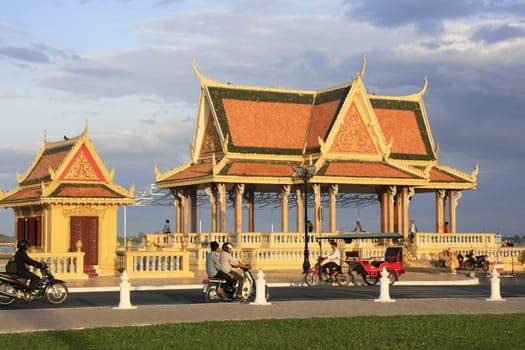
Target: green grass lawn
x=397, y=332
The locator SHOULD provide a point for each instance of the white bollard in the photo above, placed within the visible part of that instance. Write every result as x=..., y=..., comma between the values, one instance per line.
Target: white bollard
x=125, y=288
x=384, y=283
x=495, y=294
x=260, y=290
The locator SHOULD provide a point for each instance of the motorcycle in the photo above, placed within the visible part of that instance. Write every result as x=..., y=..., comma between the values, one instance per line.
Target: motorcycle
x=14, y=288
x=317, y=274
x=468, y=262
x=247, y=290
x=474, y=261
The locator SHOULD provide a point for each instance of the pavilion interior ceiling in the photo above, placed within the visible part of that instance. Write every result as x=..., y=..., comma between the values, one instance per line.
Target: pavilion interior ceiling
x=152, y=196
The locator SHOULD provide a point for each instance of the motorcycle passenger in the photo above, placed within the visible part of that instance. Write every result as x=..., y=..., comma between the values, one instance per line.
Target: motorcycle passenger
x=228, y=262
x=22, y=260
x=214, y=268
x=333, y=260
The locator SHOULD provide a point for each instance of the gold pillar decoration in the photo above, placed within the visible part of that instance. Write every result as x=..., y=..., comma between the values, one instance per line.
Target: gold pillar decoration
x=178, y=212
x=186, y=211
x=211, y=191
x=129, y=245
x=237, y=216
x=390, y=208
x=451, y=211
x=285, y=192
x=402, y=216
x=79, y=246
x=299, y=206
x=441, y=195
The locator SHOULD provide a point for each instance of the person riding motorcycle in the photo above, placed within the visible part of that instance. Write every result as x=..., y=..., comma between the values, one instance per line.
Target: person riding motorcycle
x=228, y=262
x=214, y=268
x=22, y=259
x=333, y=259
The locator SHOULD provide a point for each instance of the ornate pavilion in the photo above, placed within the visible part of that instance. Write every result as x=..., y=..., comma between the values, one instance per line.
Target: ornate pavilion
x=249, y=141
x=68, y=196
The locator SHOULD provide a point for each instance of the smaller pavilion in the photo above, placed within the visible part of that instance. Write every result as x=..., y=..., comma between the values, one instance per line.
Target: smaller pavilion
x=68, y=196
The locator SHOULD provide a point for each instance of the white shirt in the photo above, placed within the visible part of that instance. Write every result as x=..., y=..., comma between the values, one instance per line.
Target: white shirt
x=228, y=261
x=335, y=256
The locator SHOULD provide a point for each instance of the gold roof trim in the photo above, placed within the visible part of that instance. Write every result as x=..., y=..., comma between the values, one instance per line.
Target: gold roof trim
x=205, y=81
x=363, y=68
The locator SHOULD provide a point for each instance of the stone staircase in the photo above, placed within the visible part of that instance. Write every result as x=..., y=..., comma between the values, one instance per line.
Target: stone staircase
x=91, y=270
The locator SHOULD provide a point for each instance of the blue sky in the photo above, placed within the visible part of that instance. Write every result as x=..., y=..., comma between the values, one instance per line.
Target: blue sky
x=125, y=66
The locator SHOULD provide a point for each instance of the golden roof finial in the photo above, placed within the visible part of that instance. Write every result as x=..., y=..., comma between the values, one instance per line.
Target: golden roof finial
x=474, y=173
x=363, y=68
x=424, y=89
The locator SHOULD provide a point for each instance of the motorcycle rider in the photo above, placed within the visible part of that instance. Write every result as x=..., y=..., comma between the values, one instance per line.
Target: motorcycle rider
x=228, y=262
x=214, y=268
x=333, y=260
x=22, y=259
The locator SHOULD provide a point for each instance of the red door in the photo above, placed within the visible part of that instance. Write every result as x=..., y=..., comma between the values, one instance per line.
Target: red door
x=85, y=229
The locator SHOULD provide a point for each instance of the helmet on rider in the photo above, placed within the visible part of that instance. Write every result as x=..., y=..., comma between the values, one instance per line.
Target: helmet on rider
x=332, y=242
x=23, y=244
x=226, y=246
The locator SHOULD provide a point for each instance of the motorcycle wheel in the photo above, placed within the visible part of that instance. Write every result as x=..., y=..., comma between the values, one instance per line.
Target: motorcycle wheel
x=56, y=293
x=311, y=279
x=4, y=299
x=469, y=265
x=370, y=280
x=485, y=266
x=211, y=295
x=343, y=279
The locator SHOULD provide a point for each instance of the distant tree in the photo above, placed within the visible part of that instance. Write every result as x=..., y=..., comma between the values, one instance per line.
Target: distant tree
x=6, y=239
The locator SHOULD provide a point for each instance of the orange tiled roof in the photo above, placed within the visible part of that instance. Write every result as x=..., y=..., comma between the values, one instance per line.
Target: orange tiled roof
x=254, y=168
x=28, y=193
x=402, y=122
x=277, y=122
x=85, y=190
x=362, y=169
x=437, y=175
x=51, y=158
x=192, y=172
x=34, y=193
x=267, y=124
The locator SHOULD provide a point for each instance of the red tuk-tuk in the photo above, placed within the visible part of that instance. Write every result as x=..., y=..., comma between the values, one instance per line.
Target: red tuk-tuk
x=370, y=268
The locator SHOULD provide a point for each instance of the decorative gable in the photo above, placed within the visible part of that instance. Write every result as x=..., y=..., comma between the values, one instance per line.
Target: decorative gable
x=353, y=136
x=211, y=142
x=82, y=167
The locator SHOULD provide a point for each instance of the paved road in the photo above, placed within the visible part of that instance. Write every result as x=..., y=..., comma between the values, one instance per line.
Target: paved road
x=509, y=289
x=127, y=314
